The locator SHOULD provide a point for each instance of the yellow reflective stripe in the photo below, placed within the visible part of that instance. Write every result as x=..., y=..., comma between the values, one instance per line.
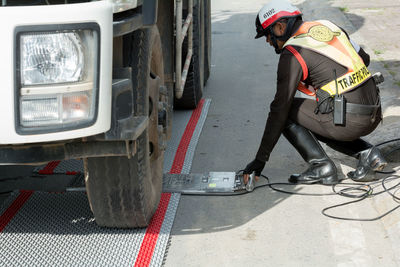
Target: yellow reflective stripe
x=348, y=81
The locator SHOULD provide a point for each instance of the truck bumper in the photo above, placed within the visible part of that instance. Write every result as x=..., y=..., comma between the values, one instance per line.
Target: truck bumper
x=39, y=154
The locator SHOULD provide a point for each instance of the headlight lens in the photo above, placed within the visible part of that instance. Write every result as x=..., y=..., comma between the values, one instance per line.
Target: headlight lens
x=58, y=78
x=51, y=58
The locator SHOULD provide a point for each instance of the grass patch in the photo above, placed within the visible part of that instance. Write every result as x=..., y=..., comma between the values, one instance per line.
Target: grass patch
x=397, y=83
x=392, y=73
x=344, y=9
x=378, y=52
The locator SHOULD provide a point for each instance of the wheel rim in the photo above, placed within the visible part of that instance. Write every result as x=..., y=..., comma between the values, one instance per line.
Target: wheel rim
x=155, y=82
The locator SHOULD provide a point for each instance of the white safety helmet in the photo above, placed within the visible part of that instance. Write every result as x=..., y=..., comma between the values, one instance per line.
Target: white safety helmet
x=272, y=12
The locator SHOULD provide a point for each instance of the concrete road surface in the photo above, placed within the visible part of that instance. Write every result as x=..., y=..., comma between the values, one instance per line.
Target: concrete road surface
x=267, y=228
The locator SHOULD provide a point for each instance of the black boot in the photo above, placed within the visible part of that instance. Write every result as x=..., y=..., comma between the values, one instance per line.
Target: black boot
x=369, y=161
x=369, y=157
x=321, y=169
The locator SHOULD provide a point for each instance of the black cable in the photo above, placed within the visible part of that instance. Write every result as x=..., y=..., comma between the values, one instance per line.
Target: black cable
x=386, y=190
x=365, y=190
x=388, y=141
x=369, y=192
x=395, y=192
x=391, y=151
x=353, y=219
x=360, y=185
x=343, y=192
x=271, y=185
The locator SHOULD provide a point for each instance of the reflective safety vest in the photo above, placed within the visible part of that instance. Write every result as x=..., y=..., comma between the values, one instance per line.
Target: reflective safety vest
x=329, y=40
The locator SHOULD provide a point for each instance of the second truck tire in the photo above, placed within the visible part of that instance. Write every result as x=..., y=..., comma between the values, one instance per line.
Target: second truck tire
x=195, y=78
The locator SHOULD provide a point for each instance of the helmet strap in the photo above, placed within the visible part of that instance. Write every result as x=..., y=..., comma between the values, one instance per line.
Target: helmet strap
x=275, y=43
x=286, y=35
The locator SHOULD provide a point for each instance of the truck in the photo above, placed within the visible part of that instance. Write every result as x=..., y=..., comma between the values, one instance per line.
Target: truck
x=98, y=81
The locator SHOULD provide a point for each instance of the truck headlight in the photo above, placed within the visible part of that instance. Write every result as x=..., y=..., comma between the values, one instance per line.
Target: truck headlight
x=57, y=77
x=51, y=58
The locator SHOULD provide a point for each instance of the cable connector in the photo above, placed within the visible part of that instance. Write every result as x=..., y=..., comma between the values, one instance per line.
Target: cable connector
x=251, y=183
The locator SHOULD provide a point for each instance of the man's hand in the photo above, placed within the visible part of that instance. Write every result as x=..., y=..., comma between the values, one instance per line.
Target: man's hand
x=255, y=166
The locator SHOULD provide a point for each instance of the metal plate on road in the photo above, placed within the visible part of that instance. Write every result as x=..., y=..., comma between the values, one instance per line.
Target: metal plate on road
x=58, y=229
x=198, y=183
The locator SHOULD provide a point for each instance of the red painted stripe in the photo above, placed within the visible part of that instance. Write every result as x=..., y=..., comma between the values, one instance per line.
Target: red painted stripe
x=180, y=155
x=150, y=239
x=49, y=169
x=13, y=209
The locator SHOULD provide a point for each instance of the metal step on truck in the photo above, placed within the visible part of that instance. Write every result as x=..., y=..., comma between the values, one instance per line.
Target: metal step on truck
x=98, y=81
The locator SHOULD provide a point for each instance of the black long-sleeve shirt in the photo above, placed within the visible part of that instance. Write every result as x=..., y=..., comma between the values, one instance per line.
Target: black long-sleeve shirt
x=289, y=74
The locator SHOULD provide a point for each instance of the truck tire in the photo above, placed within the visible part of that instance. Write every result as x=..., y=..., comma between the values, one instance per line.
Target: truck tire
x=195, y=77
x=124, y=192
x=207, y=40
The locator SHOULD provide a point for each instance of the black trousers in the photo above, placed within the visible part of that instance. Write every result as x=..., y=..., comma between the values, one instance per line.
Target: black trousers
x=346, y=138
